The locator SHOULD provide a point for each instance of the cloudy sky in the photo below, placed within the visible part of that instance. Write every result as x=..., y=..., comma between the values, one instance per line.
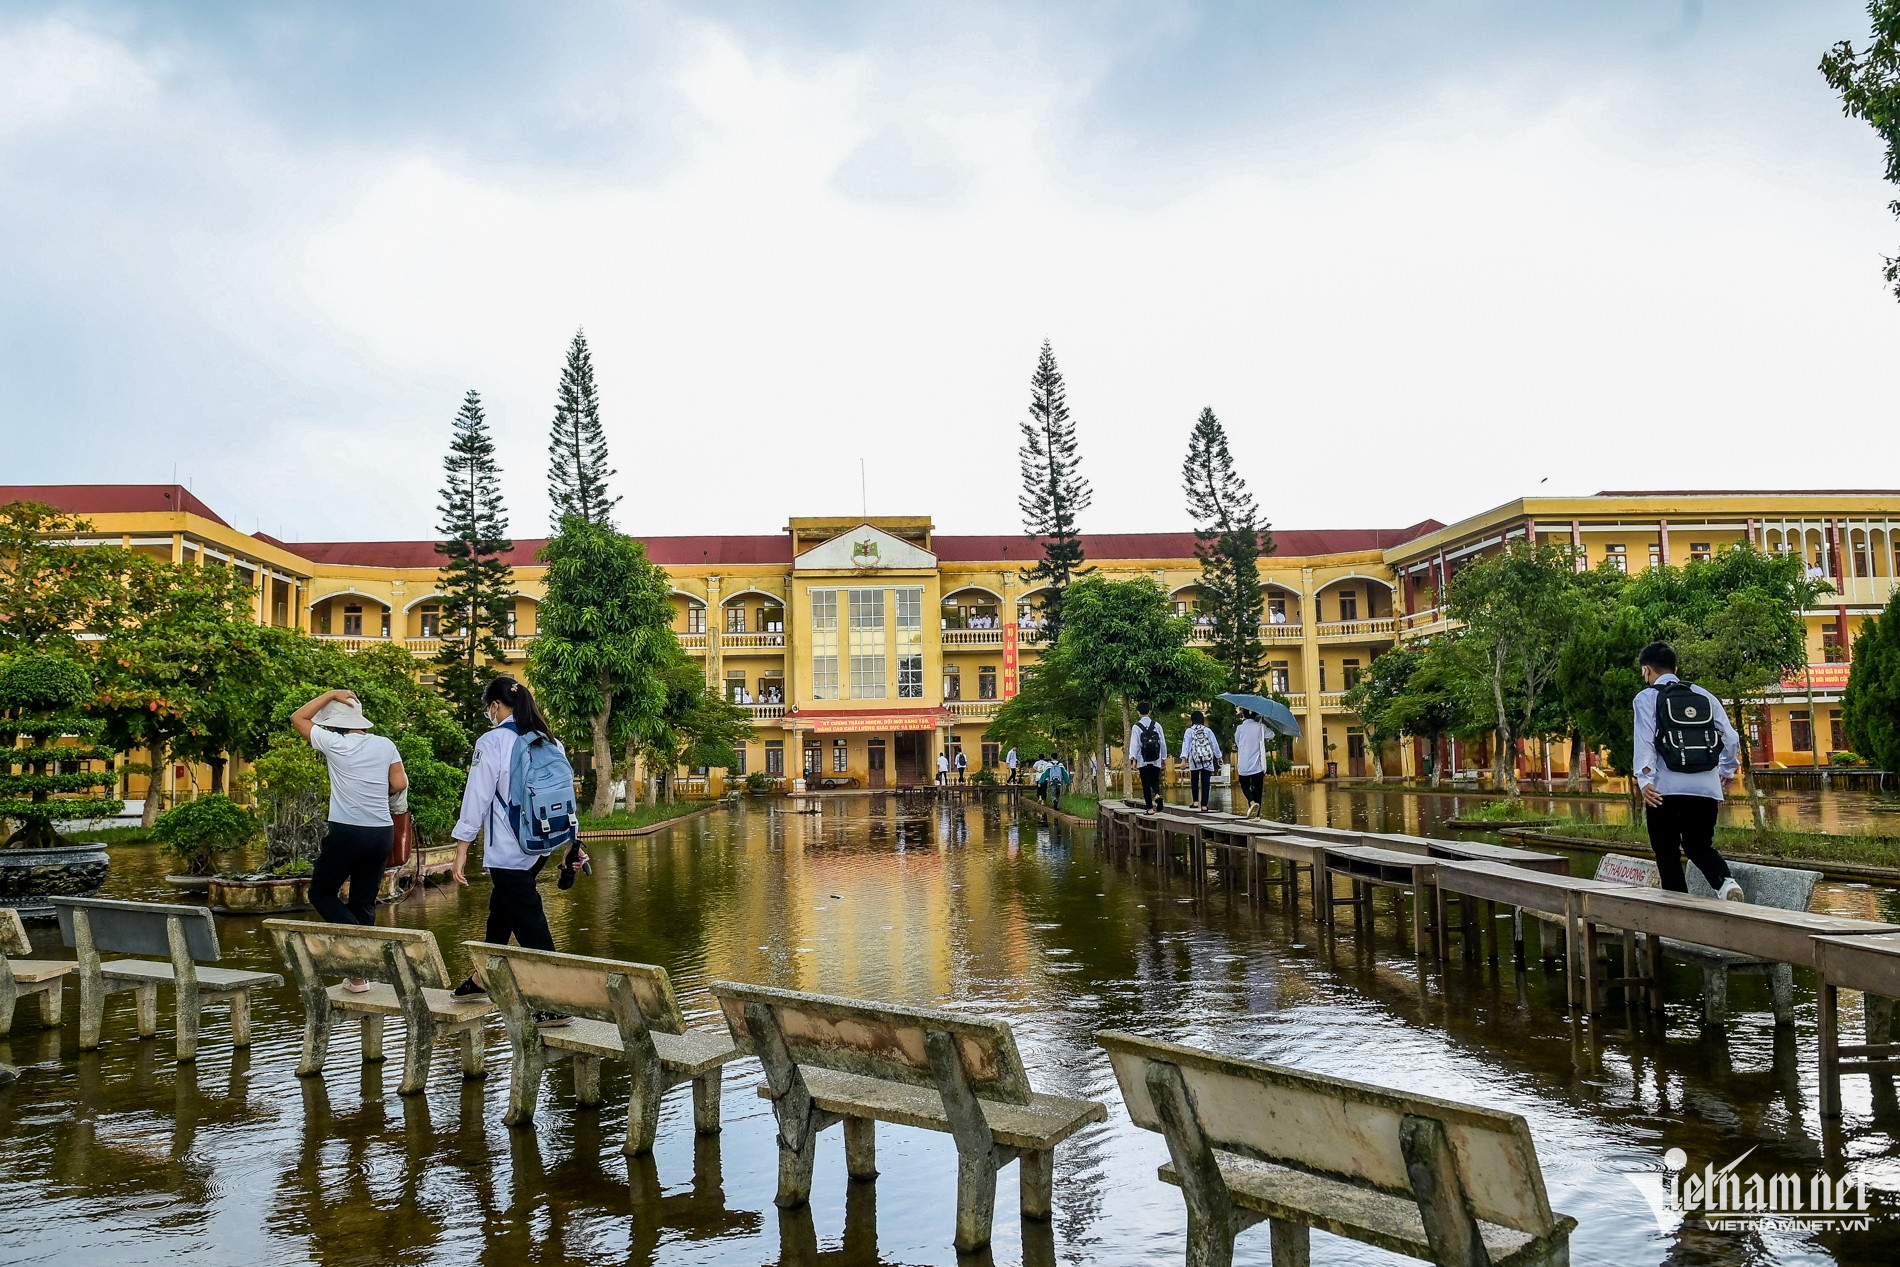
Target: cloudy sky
x=1419, y=257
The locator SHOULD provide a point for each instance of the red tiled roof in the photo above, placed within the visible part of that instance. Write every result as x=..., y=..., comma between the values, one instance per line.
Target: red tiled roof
x=1292, y=542
x=110, y=499
x=666, y=551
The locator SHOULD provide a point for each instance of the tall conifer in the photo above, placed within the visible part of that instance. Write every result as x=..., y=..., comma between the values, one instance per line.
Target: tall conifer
x=1229, y=540
x=1054, y=490
x=577, y=450
x=475, y=581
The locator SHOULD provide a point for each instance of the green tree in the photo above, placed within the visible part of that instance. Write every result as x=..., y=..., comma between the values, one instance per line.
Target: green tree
x=1229, y=540
x=694, y=725
x=43, y=695
x=1378, y=689
x=577, y=450
x=193, y=833
x=50, y=587
x=1871, y=706
x=1518, y=608
x=1868, y=82
x=1054, y=489
x=1051, y=712
x=476, y=583
x=1431, y=704
x=605, y=631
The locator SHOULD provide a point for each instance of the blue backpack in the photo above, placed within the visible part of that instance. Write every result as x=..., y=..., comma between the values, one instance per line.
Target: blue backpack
x=542, y=808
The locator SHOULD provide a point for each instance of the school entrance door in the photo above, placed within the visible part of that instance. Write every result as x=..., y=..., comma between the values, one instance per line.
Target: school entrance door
x=910, y=758
x=1356, y=754
x=874, y=760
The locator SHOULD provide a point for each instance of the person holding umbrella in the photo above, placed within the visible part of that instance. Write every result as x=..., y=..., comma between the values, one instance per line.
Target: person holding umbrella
x=1250, y=758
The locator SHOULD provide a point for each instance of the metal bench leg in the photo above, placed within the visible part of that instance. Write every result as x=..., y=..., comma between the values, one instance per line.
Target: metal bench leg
x=1292, y=1243
x=706, y=1088
x=860, y=1147
x=1781, y=988
x=1038, y=1183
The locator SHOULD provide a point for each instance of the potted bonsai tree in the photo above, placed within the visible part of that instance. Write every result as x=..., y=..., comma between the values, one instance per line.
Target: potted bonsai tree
x=293, y=789
x=193, y=833
x=46, y=778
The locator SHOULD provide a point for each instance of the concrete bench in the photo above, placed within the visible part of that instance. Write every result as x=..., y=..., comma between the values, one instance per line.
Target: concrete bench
x=1778, y=888
x=622, y=1011
x=831, y=1060
x=1248, y=1140
x=1870, y=964
x=186, y=934
x=407, y=979
x=23, y=978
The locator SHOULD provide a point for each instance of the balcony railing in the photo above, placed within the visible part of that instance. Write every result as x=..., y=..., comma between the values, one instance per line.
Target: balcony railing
x=750, y=641
x=352, y=642
x=692, y=641
x=1295, y=699
x=1031, y=637
x=973, y=637
x=1332, y=699
x=1378, y=627
x=1282, y=632
x=764, y=712
x=972, y=709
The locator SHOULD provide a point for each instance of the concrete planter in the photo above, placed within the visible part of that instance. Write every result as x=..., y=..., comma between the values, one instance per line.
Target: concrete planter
x=259, y=897
x=28, y=877
x=190, y=883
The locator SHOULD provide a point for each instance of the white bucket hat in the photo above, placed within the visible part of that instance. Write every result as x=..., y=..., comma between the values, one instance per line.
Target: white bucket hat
x=341, y=715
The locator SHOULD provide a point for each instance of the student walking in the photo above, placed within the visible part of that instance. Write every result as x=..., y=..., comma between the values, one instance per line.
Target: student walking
x=943, y=770
x=514, y=902
x=1010, y=761
x=1200, y=748
x=1148, y=749
x=1250, y=759
x=1686, y=754
x=365, y=775
x=963, y=765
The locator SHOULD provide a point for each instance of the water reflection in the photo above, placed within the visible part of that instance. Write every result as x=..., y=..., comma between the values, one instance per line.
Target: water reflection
x=122, y=1153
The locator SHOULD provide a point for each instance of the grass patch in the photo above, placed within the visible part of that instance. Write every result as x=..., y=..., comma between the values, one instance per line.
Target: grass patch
x=641, y=816
x=1079, y=805
x=1878, y=851
x=110, y=836
x=1509, y=811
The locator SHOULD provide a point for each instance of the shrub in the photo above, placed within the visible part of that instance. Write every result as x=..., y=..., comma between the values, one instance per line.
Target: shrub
x=1846, y=758
x=984, y=777
x=1277, y=765
x=194, y=832
x=758, y=782
x=42, y=700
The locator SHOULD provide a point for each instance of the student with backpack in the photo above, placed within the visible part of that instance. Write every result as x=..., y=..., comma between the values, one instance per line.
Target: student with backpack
x=1250, y=759
x=1686, y=754
x=1148, y=749
x=1201, y=750
x=521, y=791
x=963, y=765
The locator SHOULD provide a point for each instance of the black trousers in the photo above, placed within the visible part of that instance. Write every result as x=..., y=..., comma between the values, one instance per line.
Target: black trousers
x=514, y=908
x=357, y=854
x=1685, y=825
x=1200, y=786
x=1150, y=784
x=1253, y=787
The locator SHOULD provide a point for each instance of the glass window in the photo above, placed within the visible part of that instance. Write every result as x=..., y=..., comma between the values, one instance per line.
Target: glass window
x=986, y=682
x=1837, y=733
x=814, y=758
x=695, y=619
x=910, y=642
x=868, y=673
x=735, y=618
x=1655, y=554
x=509, y=627
x=992, y=756
x=735, y=687
x=323, y=620
x=1276, y=611
x=1278, y=678
x=775, y=757
x=353, y=620
x=1348, y=674
x=1349, y=604
x=431, y=621
x=952, y=682
x=1322, y=677
x=1800, y=731
x=771, y=619
x=771, y=688
x=1699, y=552
x=840, y=756
x=824, y=644
x=738, y=758
x=1618, y=556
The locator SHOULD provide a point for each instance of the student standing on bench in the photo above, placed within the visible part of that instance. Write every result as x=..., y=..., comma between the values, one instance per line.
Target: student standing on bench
x=365, y=772
x=1686, y=755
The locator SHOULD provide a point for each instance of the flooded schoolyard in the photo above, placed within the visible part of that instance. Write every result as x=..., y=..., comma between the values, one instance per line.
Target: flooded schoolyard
x=122, y=1156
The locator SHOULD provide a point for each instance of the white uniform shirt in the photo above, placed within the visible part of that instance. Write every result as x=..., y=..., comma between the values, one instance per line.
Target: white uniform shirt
x=485, y=802
x=359, y=775
x=1250, y=746
x=1134, y=741
x=1648, y=763
x=1010, y=760
x=1187, y=748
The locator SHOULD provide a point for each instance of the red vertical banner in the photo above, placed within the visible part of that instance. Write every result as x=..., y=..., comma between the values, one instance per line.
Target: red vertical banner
x=1009, y=660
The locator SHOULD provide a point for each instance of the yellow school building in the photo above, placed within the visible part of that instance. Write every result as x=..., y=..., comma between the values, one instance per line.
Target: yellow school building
x=863, y=649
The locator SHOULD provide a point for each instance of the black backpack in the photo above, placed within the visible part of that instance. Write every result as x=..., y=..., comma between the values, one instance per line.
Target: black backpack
x=1687, y=737
x=1151, y=748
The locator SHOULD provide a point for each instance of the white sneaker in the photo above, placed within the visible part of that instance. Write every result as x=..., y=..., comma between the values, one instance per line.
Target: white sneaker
x=1730, y=891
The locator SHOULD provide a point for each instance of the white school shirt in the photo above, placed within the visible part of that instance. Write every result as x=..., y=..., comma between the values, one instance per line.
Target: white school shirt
x=485, y=802
x=1187, y=748
x=1250, y=746
x=1010, y=760
x=359, y=775
x=1134, y=742
x=1648, y=764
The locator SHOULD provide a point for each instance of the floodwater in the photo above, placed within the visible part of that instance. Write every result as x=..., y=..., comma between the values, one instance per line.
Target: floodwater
x=122, y=1156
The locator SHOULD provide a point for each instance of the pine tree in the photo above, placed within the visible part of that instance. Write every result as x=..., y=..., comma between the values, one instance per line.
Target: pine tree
x=1054, y=490
x=1229, y=540
x=475, y=581
x=577, y=451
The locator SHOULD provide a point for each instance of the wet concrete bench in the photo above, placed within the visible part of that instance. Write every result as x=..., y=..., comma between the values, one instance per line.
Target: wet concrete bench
x=1251, y=1141
x=406, y=977
x=1368, y=868
x=1546, y=896
x=23, y=978
x=621, y=1011
x=830, y=1060
x=186, y=934
x=1870, y=964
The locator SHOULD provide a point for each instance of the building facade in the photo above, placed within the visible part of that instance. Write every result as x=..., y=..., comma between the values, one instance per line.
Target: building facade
x=864, y=648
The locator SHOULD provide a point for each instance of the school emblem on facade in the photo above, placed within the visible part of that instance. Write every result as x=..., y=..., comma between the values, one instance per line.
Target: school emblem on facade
x=864, y=554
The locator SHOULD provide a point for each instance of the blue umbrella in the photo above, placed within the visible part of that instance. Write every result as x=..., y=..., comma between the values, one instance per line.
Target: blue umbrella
x=1277, y=715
